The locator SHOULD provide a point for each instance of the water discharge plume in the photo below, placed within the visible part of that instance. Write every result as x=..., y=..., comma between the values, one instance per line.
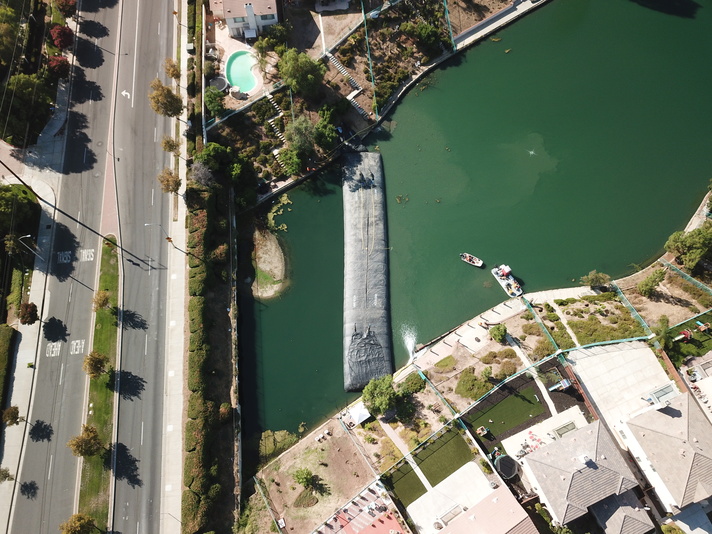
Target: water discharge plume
x=408, y=334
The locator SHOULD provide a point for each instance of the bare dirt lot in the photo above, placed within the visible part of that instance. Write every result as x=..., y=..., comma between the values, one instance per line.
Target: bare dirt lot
x=341, y=469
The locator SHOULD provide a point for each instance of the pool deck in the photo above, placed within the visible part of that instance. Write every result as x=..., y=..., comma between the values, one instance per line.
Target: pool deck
x=229, y=46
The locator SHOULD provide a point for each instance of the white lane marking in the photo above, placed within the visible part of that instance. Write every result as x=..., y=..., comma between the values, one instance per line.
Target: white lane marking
x=141, y=432
x=145, y=346
x=79, y=214
x=49, y=471
x=149, y=266
x=71, y=288
x=133, y=83
x=159, y=28
x=61, y=374
x=155, y=135
x=85, y=155
x=153, y=190
x=96, y=43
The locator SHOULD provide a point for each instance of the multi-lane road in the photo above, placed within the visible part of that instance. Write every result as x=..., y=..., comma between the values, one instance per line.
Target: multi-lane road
x=112, y=134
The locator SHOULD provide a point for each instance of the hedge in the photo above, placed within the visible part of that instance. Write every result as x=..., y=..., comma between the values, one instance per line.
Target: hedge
x=7, y=337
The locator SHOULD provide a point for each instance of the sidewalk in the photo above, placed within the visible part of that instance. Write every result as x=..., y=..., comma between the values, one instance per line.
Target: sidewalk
x=403, y=448
x=41, y=180
x=172, y=457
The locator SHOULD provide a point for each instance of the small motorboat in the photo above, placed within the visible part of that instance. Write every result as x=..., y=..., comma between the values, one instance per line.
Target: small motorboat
x=472, y=260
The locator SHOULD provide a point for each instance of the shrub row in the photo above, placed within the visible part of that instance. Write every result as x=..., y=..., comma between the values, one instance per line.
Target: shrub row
x=7, y=336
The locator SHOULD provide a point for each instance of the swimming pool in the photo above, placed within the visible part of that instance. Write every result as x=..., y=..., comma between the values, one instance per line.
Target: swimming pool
x=239, y=71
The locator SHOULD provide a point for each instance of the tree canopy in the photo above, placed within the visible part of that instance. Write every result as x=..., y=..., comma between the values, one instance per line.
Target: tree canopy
x=214, y=101
x=28, y=313
x=379, y=395
x=169, y=180
x=29, y=105
x=595, y=279
x=163, y=100
x=304, y=477
x=171, y=68
x=8, y=35
x=498, y=333
x=95, y=364
x=648, y=286
x=301, y=73
x=62, y=36
x=88, y=443
x=215, y=156
x=78, y=524
x=691, y=247
x=300, y=136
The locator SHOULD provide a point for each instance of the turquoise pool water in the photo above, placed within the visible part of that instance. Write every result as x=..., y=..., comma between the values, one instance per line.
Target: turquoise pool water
x=239, y=71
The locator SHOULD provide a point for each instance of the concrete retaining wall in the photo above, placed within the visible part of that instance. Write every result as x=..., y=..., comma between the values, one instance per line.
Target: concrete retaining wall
x=367, y=325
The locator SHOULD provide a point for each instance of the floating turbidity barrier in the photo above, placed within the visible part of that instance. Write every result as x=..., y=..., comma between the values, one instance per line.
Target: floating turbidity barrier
x=367, y=326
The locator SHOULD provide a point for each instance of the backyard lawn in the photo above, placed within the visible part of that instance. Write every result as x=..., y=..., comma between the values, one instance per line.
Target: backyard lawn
x=441, y=457
x=405, y=484
x=699, y=344
x=512, y=411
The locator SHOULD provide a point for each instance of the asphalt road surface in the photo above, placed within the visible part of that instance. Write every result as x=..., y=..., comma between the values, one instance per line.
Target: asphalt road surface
x=49, y=474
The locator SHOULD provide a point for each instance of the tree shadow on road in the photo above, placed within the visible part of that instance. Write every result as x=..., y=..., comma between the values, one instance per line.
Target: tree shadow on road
x=130, y=385
x=66, y=245
x=93, y=6
x=84, y=90
x=126, y=465
x=129, y=319
x=41, y=431
x=88, y=54
x=54, y=330
x=93, y=28
x=29, y=489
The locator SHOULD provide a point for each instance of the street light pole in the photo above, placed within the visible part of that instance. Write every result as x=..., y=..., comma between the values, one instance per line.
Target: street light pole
x=168, y=238
x=20, y=240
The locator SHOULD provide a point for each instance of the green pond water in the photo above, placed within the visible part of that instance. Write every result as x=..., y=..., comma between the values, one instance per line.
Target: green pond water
x=583, y=148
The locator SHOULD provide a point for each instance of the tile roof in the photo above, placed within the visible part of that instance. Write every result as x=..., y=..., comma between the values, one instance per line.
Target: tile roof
x=677, y=440
x=579, y=470
x=622, y=514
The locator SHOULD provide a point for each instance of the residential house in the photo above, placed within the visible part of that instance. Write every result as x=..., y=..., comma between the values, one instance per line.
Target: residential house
x=672, y=444
x=246, y=19
x=585, y=471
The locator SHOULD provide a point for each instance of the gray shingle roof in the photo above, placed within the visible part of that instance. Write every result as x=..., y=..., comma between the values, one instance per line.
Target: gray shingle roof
x=622, y=514
x=677, y=439
x=579, y=470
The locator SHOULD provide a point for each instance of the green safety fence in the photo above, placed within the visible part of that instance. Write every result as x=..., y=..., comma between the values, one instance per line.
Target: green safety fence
x=686, y=276
x=632, y=310
x=541, y=325
x=370, y=63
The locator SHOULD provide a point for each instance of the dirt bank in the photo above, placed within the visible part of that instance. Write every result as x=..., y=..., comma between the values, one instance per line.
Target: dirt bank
x=270, y=266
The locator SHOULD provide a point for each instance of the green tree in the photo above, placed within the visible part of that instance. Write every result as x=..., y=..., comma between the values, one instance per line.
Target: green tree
x=498, y=333
x=325, y=134
x=214, y=101
x=58, y=66
x=662, y=332
x=28, y=313
x=648, y=286
x=169, y=180
x=95, y=364
x=8, y=35
x=29, y=106
x=291, y=161
x=691, y=247
x=486, y=373
x=300, y=136
x=379, y=395
x=595, y=279
x=215, y=156
x=301, y=73
x=304, y=477
x=78, y=524
x=88, y=443
x=163, y=100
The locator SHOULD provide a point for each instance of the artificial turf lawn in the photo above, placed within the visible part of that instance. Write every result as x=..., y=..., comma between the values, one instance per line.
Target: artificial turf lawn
x=441, y=457
x=406, y=484
x=514, y=410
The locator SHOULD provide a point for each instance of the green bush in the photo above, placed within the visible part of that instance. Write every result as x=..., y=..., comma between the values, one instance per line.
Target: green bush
x=7, y=336
x=196, y=286
x=507, y=354
x=305, y=499
x=565, y=302
x=412, y=384
x=446, y=364
x=506, y=369
x=193, y=434
x=553, y=317
x=485, y=466
x=191, y=21
x=532, y=329
x=543, y=348
x=488, y=358
x=499, y=333
x=527, y=316
x=191, y=466
x=189, y=510
x=196, y=363
x=469, y=385
x=601, y=297
x=196, y=309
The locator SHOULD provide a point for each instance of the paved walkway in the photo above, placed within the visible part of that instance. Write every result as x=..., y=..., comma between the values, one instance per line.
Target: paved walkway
x=38, y=173
x=405, y=451
x=172, y=454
